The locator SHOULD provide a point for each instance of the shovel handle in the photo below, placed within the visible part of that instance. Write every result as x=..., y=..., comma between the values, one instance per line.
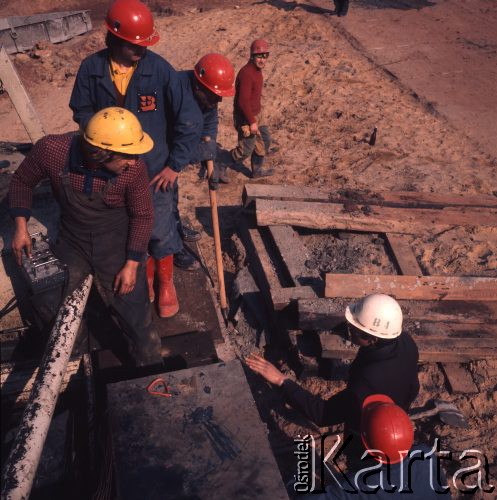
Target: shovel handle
x=423, y=414
x=217, y=239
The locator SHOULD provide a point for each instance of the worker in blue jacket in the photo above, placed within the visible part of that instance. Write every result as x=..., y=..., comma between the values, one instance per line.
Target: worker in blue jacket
x=126, y=74
x=212, y=79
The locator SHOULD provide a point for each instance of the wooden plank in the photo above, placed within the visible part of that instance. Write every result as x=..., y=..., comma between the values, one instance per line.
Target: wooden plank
x=335, y=347
x=403, y=254
x=368, y=218
x=282, y=297
x=460, y=380
x=207, y=437
x=411, y=199
x=294, y=255
x=327, y=313
x=259, y=262
x=19, y=97
x=412, y=287
x=454, y=331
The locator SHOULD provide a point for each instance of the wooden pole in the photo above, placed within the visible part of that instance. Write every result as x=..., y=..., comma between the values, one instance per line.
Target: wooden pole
x=19, y=97
x=21, y=466
x=217, y=242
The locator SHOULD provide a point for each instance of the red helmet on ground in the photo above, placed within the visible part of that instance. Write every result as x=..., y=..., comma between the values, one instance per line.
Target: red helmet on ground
x=259, y=47
x=215, y=72
x=386, y=429
x=132, y=21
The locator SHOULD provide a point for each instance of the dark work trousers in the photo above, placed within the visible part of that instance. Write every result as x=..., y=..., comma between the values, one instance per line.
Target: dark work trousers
x=250, y=145
x=165, y=239
x=92, y=239
x=205, y=150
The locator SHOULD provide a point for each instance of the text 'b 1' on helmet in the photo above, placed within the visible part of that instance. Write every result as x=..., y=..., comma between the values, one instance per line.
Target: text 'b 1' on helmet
x=259, y=47
x=377, y=314
x=119, y=130
x=386, y=429
x=215, y=72
x=132, y=21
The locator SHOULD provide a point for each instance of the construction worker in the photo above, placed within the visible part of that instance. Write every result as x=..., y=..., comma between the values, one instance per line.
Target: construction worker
x=212, y=79
x=253, y=134
x=127, y=74
x=106, y=217
x=406, y=470
x=386, y=363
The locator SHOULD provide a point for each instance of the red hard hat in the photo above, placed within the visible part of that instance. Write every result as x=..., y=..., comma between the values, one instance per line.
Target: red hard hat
x=259, y=47
x=215, y=72
x=386, y=429
x=132, y=21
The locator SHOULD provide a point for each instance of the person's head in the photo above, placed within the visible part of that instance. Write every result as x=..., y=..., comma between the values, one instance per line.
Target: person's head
x=214, y=79
x=386, y=429
x=130, y=30
x=376, y=316
x=113, y=139
x=259, y=52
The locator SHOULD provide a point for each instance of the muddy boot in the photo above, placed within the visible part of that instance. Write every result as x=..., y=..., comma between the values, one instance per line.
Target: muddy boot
x=168, y=302
x=186, y=261
x=257, y=169
x=223, y=175
x=150, y=267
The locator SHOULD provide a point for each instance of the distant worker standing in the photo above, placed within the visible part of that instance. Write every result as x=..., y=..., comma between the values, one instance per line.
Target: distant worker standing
x=253, y=134
x=126, y=74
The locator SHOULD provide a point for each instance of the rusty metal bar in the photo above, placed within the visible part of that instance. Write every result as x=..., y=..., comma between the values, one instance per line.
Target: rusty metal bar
x=25, y=455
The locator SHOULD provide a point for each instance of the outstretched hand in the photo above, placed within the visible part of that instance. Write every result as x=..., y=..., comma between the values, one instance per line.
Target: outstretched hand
x=265, y=368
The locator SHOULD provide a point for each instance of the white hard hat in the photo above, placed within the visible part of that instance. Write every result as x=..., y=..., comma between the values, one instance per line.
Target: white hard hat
x=377, y=314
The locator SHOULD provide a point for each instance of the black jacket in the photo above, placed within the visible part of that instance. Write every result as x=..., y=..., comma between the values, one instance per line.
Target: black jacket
x=388, y=367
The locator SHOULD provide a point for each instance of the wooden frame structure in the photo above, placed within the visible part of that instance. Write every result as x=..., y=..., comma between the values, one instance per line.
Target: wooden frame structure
x=452, y=318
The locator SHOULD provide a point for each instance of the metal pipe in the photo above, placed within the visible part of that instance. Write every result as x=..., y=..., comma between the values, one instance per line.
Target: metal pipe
x=26, y=451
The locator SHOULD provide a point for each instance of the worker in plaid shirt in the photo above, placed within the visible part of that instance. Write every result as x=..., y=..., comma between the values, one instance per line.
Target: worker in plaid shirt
x=106, y=218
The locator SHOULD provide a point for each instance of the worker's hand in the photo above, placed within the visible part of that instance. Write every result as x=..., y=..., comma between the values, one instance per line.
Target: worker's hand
x=21, y=240
x=265, y=368
x=125, y=279
x=246, y=130
x=254, y=129
x=164, y=180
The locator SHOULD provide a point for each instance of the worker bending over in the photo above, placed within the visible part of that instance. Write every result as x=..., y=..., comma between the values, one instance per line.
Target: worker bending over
x=106, y=217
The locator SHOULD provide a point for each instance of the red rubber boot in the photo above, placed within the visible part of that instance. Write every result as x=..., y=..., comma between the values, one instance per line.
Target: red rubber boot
x=168, y=302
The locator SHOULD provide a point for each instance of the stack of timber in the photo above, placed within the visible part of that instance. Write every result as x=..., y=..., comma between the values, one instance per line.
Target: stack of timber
x=451, y=317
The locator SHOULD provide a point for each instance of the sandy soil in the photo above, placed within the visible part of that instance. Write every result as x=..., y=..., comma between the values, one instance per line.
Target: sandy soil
x=323, y=98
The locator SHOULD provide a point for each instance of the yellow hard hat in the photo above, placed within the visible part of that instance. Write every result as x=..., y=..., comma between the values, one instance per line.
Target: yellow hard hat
x=119, y=130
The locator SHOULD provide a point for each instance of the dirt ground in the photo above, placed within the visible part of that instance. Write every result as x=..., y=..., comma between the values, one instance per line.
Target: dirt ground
x=323, y=96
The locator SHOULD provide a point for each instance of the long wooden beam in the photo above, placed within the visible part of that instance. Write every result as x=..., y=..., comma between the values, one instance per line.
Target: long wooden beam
x=412, y=199
x=368, y=218
x=335, y=347
x=327, y=313
x=412, y=287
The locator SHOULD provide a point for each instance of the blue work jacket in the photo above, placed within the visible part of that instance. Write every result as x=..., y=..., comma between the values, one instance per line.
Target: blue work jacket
x=208, y=119
x=155, y=95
